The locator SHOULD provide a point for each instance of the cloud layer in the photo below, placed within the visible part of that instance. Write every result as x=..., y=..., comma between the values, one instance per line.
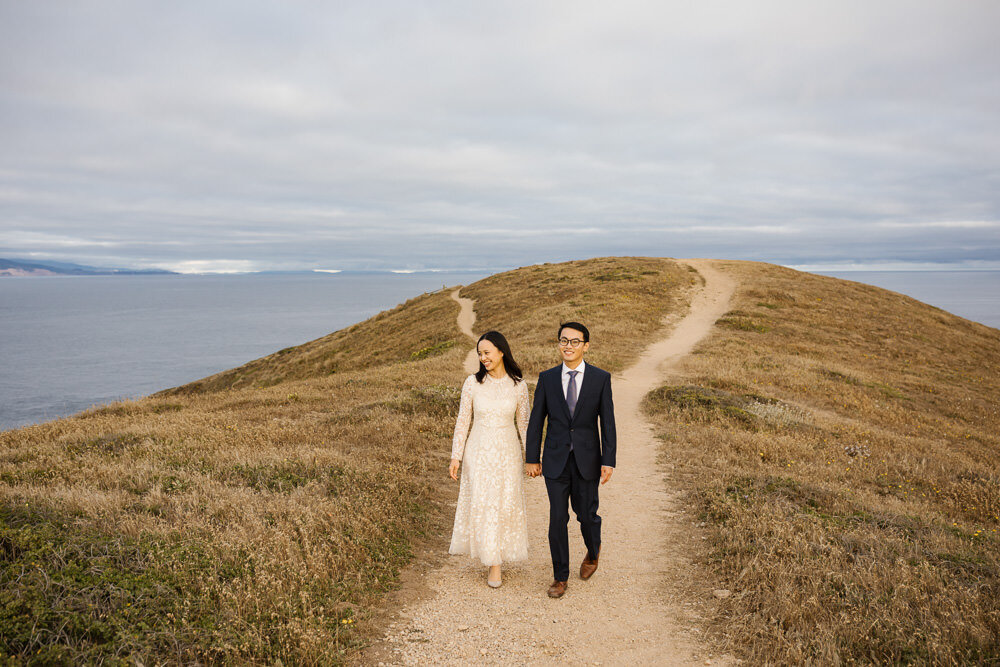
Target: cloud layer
x=449, y=135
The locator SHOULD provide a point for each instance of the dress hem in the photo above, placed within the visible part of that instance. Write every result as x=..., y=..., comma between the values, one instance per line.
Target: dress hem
x=511, y=559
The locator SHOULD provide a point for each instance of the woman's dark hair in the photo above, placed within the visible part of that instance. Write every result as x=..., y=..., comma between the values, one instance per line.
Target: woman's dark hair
x=513, y=370
x=578, y=327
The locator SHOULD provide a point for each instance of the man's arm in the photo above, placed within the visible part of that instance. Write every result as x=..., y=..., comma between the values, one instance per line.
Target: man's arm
x=533, y=440
x=609, y=437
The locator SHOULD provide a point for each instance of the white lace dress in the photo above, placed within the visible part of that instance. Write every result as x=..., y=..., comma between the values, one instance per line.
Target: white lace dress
x=490, y=520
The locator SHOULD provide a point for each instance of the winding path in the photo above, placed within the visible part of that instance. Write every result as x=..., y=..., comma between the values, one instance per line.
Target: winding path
x=466, y=318
x=629, y=612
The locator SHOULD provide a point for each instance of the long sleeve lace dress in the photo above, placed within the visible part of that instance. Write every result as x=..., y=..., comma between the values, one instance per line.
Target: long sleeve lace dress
x=490, y=519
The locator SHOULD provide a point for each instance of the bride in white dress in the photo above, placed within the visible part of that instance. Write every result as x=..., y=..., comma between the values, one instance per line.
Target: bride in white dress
x=490, y=519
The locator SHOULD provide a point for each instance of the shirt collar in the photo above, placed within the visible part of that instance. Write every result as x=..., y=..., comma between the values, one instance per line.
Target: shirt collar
x=566, y=369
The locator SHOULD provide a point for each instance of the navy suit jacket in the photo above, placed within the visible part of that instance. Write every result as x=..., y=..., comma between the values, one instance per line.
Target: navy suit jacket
x=593, y=445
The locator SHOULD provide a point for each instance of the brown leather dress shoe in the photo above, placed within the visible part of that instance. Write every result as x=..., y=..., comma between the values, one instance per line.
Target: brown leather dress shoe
x=557, y=589
x=588, y=567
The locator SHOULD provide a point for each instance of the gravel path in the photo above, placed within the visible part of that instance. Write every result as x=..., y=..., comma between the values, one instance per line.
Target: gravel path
x=633, y=610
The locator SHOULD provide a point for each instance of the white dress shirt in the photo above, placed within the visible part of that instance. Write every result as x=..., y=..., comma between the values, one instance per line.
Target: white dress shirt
x=579, y=378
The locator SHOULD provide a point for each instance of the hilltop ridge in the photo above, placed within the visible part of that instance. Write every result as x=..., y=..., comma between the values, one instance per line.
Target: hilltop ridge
x=515, y=301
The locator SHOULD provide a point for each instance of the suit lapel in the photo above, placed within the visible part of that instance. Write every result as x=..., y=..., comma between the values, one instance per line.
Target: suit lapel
x=557, y=385
x=587, y=385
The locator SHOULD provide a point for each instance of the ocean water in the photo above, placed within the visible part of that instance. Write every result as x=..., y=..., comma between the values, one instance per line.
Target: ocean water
x=68, y=343
x=974, y=295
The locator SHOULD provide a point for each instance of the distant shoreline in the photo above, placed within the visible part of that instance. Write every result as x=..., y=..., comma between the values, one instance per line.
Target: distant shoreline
x=43, y=273
x=46, y=273
x=18, y=268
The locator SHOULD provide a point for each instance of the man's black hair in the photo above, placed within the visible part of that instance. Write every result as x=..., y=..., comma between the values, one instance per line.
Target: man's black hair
x=575, y=325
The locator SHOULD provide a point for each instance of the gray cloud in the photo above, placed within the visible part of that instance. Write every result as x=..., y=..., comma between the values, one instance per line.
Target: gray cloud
x=439, y=134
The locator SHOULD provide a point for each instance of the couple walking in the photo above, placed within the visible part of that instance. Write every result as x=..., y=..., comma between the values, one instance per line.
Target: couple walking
x=490, y=520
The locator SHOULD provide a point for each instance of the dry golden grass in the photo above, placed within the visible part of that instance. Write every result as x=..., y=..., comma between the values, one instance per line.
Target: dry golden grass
x=268, y=515
x=840, y=445
x=261, y=514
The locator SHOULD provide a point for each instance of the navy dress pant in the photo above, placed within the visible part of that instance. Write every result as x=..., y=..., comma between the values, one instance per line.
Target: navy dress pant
x=582, y=493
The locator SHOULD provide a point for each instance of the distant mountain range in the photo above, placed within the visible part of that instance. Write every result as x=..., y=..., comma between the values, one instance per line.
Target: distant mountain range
x=17, y=267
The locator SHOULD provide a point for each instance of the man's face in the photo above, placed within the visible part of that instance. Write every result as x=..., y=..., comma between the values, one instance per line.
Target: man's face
x=571, y=346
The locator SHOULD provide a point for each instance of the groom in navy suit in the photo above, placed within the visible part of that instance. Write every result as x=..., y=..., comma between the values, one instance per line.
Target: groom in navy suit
x=572, y=397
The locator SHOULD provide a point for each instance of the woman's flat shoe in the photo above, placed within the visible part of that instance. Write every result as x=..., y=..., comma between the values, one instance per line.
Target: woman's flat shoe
x=494, y=584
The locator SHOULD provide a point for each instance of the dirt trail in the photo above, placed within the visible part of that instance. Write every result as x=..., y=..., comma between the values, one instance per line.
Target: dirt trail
x=466, y=318
x=628, y=613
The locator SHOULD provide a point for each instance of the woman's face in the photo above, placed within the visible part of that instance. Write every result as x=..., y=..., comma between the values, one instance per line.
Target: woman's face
x=490, y=356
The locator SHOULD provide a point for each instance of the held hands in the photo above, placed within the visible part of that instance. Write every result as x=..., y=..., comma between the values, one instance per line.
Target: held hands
x=453, y=469
x=535, y=469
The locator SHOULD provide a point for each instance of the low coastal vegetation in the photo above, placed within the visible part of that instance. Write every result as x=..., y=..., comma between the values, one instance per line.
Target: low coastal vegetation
x=261, y=514
x=840, y=448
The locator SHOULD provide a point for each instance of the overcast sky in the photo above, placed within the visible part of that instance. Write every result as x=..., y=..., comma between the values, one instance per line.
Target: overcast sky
x=336, y=135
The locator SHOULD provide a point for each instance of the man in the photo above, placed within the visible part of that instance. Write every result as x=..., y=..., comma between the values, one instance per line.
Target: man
x=572, y=396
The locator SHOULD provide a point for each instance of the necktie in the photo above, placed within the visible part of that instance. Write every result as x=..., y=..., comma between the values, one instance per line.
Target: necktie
x=571, y=392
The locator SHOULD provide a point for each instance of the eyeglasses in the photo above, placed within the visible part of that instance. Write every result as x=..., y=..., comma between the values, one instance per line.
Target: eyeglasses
x=575, y=342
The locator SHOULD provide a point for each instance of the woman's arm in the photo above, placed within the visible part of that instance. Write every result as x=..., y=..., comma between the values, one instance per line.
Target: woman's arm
x=521, y=415
x=462, y=424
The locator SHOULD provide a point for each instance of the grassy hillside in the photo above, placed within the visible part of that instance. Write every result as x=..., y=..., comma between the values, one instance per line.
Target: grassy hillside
x=838, y=444
x=262, y=513
x=423, y=326
x=841, y=448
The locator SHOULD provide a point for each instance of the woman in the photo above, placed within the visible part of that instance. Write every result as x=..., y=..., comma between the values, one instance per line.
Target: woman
x=490, y=521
